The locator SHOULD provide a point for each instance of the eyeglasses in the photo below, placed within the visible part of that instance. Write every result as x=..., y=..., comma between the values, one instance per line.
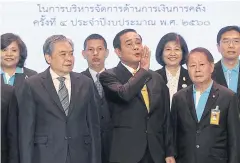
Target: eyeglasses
x=233, y=41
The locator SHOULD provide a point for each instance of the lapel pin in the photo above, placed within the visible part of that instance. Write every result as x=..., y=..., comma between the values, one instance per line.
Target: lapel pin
x=184, y=85
x=26, y=77
x=213, y=96
x=184, y=79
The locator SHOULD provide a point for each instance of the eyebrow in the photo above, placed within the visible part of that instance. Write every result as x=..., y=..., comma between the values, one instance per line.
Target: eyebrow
x=66, y=51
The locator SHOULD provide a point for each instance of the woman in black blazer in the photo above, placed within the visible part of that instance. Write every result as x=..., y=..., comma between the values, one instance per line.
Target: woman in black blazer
x=171, y=53
x=13, y=56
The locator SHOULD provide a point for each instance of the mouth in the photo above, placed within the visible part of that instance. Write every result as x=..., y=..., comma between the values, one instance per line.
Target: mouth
x=231, y=52
x=8, y=59
x=137, y=54
x=173, y=58
x=96, y=60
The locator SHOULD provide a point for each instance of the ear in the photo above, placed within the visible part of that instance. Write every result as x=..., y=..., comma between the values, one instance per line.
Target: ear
x=118, y=52
x=48, y=58
x=107, y=53
x=212, y=67
x=219, y=48
x=84, y=54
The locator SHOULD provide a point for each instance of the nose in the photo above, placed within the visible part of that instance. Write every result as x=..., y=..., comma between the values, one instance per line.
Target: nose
x=135, y=47
x=197, y=68
x=95, y=52
x=8, y=53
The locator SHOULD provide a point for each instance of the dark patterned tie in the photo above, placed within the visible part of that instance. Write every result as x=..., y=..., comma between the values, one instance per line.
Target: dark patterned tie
x=63, y=94
x=99, y=86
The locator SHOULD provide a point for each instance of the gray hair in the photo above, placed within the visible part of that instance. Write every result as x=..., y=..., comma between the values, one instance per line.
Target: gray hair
x=50, y=41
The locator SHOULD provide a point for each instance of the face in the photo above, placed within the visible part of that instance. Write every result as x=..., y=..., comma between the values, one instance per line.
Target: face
x=172, y=53
x=199, y=68
x=95, y=53
x=61, y=60
x=229, y=45
x=131, y=49
x=10, y=55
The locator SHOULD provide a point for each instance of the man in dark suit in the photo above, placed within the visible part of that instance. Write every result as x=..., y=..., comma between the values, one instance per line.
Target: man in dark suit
x=205, y=116
x=9, y=138
x=58, y=118
x=95, y=52
x=139, y=105
x=226, y=71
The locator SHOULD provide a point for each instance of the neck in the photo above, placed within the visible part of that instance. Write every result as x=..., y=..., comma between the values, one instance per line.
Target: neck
x=9, y=70
x=202, y=86
x=132, y=65
x=230, y=63
x=97, y=69
x=172, y=69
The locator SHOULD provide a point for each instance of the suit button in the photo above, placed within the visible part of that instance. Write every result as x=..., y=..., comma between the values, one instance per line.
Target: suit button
x=147, y=117
x=146, y=131
x=198, y=131
x=66, y=138
x=197, y=146
x=102, y=117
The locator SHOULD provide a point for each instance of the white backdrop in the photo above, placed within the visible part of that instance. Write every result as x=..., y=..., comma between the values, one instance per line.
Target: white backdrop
x=197, y=22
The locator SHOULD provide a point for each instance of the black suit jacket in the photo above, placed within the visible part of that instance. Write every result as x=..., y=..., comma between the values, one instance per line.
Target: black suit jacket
x=134, y=129
x=19, y=79
x=218, y=76
x=105, y=122
x=9, y=137
x=184, y=79
x=47, y=134
x=202, y=142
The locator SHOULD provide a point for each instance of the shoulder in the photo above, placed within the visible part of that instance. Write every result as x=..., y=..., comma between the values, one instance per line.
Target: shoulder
x=29, y=72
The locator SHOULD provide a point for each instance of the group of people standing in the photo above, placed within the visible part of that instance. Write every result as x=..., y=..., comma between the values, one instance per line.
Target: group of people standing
x=126, y=114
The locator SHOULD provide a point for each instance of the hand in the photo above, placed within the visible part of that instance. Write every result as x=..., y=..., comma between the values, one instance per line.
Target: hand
x=170, y=160
x=145, y=61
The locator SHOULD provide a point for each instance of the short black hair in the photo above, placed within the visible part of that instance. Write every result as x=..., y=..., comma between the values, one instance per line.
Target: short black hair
x=226, y=29
x=94, y=37
x=7, y=39
x=206, y=52
x=167, y=38
x=116, y=40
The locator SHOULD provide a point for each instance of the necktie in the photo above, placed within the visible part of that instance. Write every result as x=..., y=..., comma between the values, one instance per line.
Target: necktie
x=144, y=93
x=99, y=86
x=63, y=94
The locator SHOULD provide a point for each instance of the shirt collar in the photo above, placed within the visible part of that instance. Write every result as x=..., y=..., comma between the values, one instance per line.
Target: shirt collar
x=55, y=76
x=94, y=73
x=206, y=91
x=225, y=69
x=130, y=69
x=18, y=70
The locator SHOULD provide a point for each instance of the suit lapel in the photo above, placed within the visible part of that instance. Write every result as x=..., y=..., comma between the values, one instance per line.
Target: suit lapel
x=19, y=79
x=191, y=105
x=220, y=76
x=2, y=80
x=238, y=87
x=74, y=90
x=124, y=75
x=213, y=96
x=50, y=88
x=182, y=82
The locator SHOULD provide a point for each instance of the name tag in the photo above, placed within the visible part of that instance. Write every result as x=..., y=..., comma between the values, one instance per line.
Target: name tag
x=215, y=116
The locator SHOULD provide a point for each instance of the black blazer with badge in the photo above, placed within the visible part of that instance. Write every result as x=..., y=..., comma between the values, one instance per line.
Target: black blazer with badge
x=134, y=129
x=105, y=122
x=202, y=142
x=184, y=79
x=47, y=134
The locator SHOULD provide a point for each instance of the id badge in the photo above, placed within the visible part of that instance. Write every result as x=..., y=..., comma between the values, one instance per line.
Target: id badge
x=215, y=116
